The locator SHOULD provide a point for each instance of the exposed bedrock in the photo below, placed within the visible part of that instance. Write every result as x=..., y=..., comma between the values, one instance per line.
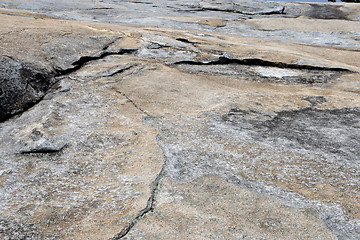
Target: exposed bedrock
x=179, y=120
x=307, y=159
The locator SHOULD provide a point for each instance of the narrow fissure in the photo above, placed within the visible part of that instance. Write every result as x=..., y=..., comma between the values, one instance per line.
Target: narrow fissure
x=48, y=150
x=184, y=40
x=269, y=12
x=150, y=206
x=262, y=63
x=118, y=71
x=84, y=60
x=132, y=102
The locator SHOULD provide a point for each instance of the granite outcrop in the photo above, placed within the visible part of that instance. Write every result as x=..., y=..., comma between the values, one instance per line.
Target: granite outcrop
x=179, y=120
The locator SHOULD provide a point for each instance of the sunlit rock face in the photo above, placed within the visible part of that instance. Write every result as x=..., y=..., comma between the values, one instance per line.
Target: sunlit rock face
x=179, y=120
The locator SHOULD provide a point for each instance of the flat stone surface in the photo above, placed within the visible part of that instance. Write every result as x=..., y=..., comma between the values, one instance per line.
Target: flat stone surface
x=179, y=120
x=197, y=210
x=75, y=166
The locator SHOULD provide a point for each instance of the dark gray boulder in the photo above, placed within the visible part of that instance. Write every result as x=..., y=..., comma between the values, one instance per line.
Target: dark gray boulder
x=21, y=86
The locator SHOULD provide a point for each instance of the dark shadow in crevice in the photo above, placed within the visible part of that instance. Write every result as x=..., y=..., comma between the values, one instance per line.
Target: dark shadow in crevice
x=263, y=63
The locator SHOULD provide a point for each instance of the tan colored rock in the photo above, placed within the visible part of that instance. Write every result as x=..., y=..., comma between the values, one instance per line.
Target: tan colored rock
x=198, y=123
x=98, y=180
x=197, y=209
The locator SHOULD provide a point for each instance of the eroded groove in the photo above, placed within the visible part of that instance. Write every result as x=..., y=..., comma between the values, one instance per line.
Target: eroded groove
x=262, y=63
x=49, y=151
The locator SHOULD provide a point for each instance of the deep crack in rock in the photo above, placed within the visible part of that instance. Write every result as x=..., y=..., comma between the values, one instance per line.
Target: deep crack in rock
x=263, y=63
x=86, y=59
x=275, y=11
x=112, y=175
x=260, y=70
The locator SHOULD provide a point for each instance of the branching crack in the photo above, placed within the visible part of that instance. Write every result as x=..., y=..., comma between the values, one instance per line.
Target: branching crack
x=263, y=63
x=83, y=60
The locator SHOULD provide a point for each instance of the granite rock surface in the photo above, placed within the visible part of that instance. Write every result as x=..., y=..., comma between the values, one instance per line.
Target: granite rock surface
x=179, y=120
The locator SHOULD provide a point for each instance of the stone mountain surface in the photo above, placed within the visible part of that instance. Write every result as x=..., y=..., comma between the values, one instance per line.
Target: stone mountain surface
x=179, y=120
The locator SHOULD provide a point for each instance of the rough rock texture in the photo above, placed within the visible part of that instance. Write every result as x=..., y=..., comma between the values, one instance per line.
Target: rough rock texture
x=179, y=120
x=20, y=86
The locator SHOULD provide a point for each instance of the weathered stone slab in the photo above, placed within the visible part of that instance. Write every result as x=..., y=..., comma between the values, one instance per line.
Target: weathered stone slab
x=76, y=167
x=197, y=209
x=180, y=119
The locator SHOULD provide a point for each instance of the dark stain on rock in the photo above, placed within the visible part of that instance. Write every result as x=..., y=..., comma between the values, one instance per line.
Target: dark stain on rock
x=330, y=131
x=325, y=12
x=36, y=134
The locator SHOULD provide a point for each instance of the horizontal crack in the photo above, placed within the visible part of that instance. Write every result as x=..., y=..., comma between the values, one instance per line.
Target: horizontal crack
x=44, y=150
x=83, y=60
x=263, y=63
x=215, y=9
x=184, y=40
